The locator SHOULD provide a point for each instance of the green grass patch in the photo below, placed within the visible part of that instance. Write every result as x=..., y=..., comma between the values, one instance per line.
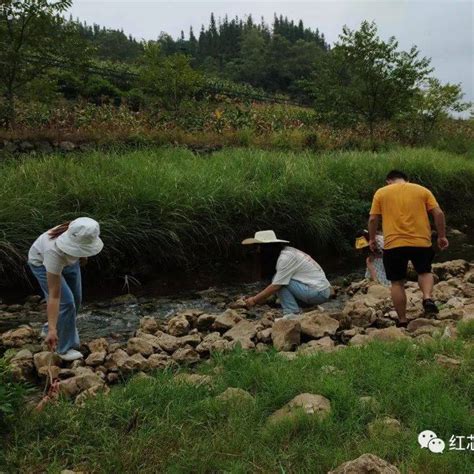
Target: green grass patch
x=157, y=425
x=170, y=208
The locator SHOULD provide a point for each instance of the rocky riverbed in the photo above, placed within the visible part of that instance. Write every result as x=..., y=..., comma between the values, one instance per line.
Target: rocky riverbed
x=156, y=338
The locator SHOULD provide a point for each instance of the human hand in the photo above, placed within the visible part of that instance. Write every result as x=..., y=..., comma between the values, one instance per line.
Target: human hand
x=443, y=243
x=250, y=302
x=373, y=245
x=52, y=339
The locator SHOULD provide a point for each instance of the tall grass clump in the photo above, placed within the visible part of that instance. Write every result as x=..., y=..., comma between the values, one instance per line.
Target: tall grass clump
x=167, y=207
x=159, y=425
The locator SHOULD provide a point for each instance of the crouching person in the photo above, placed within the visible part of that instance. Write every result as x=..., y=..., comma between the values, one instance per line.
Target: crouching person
x=297, y=278
x=54, y=260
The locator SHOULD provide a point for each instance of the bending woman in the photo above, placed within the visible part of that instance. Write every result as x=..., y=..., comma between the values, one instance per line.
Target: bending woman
x=54, y=260
x=296, y=276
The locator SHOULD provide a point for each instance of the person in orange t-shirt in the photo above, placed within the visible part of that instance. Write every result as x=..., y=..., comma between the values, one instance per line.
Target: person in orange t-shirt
x=404, y=209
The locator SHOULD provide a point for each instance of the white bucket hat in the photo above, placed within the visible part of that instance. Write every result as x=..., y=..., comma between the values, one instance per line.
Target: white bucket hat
x=264, y=237
x=81, y=239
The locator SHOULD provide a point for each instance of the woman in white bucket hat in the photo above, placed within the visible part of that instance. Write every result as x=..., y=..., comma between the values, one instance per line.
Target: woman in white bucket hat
x=296, y=276
x=54, y=260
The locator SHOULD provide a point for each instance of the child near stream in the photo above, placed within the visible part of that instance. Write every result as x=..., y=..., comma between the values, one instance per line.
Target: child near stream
x=375, y=270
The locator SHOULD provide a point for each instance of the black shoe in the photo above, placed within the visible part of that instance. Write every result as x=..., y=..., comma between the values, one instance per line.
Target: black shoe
x=430, y=307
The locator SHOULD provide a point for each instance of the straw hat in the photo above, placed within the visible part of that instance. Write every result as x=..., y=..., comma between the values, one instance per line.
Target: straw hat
x=264, y=237
x=81, y=239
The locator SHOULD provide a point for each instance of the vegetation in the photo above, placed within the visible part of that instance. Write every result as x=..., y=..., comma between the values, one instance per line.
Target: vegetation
x=163, y=208
x=183, y=428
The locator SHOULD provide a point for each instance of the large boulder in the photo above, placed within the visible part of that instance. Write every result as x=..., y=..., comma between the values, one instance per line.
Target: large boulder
x=443, y=291
x=116, y=360
x=450, y=269
x=149, y=325
x=325, y=344
x=186, y=355
x=313, y=405
x=168, y=342
x=205, y=321
x=46, y=359
x=179, y=325
x=316, y=324
x=96, y=358
x=22, y=366
x=160, y=361
x=98, y=345
x=286, y=335
x=214, y=342
x=422, y=322
x=359, y=340
x=366, y=464
x=74, y=385
x=387, y=334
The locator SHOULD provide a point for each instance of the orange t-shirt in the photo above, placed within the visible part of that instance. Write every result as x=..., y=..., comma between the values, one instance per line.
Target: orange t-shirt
x=404, y=209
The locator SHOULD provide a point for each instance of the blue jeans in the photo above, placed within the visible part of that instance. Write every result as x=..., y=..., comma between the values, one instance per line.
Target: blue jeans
x=295, y=290
x=71, y=296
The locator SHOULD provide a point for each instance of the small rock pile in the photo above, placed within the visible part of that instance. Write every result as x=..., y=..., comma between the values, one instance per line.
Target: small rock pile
x=191, y=336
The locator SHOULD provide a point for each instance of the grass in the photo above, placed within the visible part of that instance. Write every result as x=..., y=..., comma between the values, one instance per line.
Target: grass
x=168, y=208
x=156, y=425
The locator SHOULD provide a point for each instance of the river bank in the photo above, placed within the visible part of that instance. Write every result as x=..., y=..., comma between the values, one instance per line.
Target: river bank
x=167, y=210
x=235, y=384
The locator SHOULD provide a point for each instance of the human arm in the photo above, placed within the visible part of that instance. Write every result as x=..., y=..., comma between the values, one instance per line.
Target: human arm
x=374, y=220
x=440, y=223
x=371, y=268
x=54, y=298
x=262, y=296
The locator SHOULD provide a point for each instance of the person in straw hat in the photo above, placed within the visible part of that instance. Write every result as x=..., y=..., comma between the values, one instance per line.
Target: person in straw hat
x=297, y=278
x=54, y=259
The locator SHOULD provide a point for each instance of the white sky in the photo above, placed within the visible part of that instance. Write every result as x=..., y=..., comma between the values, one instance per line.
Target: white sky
x=442, y=29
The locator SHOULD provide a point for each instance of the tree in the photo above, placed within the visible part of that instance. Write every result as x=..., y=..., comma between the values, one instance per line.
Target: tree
x=30, y=36
x=171, y=79
x=364, y=78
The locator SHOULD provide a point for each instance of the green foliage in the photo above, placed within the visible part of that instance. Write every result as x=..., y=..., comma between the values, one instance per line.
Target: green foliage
x=11, y=396
x=466, y=330
x=183, y=428
x=364, y=78
x=168, y=207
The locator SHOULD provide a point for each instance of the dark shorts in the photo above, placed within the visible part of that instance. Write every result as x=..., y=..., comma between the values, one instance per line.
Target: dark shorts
x=396, y=261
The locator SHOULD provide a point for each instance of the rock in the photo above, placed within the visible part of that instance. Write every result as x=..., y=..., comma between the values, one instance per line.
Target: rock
x=307, y=403
x=316, y=324
x=447, y=362
x=421, y=322
x=449, y=269
x=91, y=393
x=26, y=146
x=359, y=340
x=238, y=304
x=74, y=385
x=265, y=335
x=384, y=425
x=205, y=321
x=160, y=361
x=96, y=358
x=443, y=291
x=134, y=363
x=366, y=464
x=369, y=402
x=22, y=366
x=450, y=313
x=116, y=360
x=387, y=334
x=98, y=345
x=179, y=326
x=361, y=310
x=139, y=345
x=127, y=299
x=227, y=320
x=286, y=335
x=66, y=146
x=326, y=344
x=45, y=359
x=348, y=334
x=235, y=395
x=112, y=377
x=149, y=325
x=19, y=337
x=261, y=347
x=167, y=342
x=191, y=340
x=186, y=355
x=193, y=379
x=213, y=342
x=44, y=147
x=379, y=292
x=242, y=334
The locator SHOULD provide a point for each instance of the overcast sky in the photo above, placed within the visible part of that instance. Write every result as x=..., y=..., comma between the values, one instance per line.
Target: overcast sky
x=442, y=30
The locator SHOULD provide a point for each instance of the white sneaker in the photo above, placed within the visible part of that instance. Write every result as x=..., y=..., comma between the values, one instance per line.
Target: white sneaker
x=71, y=355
